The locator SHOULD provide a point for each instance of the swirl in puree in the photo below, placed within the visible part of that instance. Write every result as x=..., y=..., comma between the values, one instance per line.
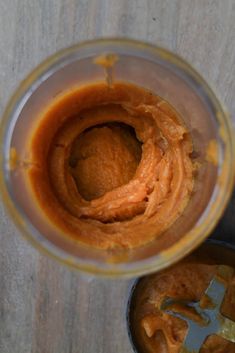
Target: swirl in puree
x=111, y=165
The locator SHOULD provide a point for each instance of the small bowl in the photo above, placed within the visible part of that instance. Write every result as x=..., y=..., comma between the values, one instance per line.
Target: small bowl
x=220, y=252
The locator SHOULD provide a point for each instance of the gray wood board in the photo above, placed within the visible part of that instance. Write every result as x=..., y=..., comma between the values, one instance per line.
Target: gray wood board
x=45, y=307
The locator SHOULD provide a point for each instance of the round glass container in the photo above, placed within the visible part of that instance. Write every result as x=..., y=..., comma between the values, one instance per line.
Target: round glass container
x=165, y=74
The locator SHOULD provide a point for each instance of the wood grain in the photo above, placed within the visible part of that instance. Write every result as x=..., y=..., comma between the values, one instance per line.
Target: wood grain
x=44, y=307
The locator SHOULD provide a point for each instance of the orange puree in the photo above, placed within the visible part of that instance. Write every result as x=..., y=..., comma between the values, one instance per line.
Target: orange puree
x=157, y=331
x=111, y=166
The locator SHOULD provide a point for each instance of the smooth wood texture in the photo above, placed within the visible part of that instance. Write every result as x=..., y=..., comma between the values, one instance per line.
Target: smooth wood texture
x=45, y=307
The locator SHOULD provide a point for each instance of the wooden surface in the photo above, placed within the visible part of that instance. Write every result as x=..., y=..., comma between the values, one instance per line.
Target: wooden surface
x=44, y=307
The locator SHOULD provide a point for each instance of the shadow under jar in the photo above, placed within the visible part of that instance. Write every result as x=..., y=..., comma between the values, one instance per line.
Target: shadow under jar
x=167, y=76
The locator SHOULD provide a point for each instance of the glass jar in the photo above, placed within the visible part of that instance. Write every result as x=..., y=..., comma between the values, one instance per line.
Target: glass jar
x=165, y=74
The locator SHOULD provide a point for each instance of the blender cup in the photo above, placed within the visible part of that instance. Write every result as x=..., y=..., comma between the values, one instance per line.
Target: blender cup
x=211, y=251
